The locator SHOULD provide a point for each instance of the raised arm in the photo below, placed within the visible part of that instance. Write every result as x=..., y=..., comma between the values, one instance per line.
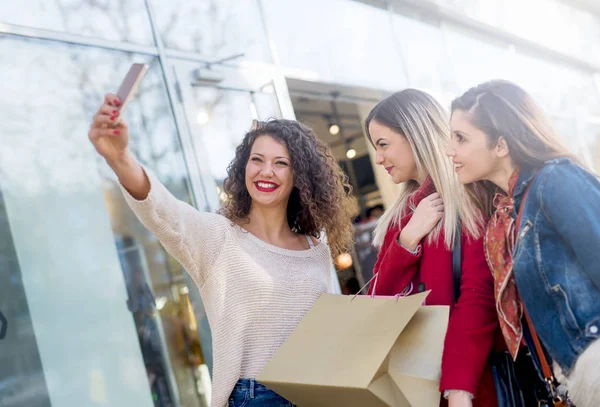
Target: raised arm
x=194, y=238
x=111, y=141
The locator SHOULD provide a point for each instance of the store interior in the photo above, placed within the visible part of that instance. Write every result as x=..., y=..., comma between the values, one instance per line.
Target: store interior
x=336, y=114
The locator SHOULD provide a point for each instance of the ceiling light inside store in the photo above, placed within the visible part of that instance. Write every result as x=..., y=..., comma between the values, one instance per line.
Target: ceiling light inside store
x=202, y=117
x=160, y=302
x=351, y=153
x=343, y=261
x=334, y=129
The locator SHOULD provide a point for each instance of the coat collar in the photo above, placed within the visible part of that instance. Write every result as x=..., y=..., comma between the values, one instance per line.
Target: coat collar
x=425, y=189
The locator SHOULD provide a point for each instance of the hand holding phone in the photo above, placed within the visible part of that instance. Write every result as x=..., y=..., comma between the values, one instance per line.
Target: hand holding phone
x=108, y=133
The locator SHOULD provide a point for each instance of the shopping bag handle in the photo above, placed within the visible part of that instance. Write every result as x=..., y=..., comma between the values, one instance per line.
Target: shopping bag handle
x=363, y=287
x=404, y=292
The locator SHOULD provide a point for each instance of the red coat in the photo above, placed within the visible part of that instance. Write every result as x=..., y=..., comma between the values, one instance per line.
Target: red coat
x=473, y=320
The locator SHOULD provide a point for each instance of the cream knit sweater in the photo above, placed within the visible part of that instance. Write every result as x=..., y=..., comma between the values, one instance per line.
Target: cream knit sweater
x=254, y=293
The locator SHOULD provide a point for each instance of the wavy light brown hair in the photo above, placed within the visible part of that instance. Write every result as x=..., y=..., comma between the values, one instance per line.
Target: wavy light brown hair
x=321, y=199
x=501, y=108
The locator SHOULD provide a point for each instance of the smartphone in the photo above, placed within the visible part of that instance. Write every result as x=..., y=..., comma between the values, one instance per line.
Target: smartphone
x=129, y=86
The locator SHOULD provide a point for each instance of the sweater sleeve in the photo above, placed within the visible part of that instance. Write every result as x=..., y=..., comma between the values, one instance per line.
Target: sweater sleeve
x=193, y=238
x=472, y=324
x=396, y=266
x=333, y=283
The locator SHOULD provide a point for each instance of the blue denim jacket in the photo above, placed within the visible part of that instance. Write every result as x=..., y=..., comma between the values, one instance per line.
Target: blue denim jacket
x=557, y=256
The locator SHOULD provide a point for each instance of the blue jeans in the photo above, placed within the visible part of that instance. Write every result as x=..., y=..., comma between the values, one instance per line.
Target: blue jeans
x=249, y=393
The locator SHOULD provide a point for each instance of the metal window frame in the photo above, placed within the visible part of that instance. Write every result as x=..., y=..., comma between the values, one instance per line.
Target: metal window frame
x=75, y=39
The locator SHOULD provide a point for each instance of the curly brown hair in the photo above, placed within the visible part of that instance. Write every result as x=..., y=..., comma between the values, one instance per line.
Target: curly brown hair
x=321, y=199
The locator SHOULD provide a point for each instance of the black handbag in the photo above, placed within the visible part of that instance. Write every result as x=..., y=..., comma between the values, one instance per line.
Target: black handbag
x=527, y=381
x=518, y=383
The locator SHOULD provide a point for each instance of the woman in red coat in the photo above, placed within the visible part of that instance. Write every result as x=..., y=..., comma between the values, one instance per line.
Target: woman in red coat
x=409, y=131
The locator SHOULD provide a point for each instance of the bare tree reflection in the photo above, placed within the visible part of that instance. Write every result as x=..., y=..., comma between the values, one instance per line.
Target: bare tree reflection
x=117, y=20
x=51, y=92
x=216, y=28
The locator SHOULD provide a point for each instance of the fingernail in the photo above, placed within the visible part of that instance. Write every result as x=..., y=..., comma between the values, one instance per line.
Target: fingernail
x=116, y=132
x=113, y=117
x=115, y=112
x=116, y=102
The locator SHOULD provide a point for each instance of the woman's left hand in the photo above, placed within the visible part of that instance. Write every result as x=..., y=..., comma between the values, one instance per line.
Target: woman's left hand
x=460, y=399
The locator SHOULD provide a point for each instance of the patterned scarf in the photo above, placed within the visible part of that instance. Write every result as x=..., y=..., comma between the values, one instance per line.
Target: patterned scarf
x=499, y=244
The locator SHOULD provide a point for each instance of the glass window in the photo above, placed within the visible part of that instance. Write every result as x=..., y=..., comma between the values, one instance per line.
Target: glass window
x=567, y=129
x=116, y=20
x=559, y=89
x=215, y=28
x=345, y=42
x=487, y=11
x=424, y=54
x=591, y=130
x=579, y=33
x=106, y=306
x=474, y=60
x=22, y=381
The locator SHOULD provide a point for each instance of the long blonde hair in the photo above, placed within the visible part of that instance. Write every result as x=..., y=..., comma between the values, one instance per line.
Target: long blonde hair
x=419, y=118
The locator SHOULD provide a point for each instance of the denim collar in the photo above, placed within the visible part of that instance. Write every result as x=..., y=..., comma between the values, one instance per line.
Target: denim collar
x=526, y=176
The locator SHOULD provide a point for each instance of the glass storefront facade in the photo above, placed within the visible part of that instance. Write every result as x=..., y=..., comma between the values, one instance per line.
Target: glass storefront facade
x=93, y=310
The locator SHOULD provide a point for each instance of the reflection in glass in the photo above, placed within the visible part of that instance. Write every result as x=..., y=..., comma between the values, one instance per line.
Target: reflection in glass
x=22, y=380
x=109, y=307
x=142, y=305
x=61, y=234
x=215, y=28
x=116, y=20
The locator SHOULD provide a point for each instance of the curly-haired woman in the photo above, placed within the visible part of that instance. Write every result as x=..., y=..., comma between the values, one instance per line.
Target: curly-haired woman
x=259, y=265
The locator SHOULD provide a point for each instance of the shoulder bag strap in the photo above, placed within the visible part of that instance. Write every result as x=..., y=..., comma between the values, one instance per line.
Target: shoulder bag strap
x=457, y=260
x=546, y=370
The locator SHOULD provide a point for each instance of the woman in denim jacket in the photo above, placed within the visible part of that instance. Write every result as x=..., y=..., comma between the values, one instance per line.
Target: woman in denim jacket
x=551, y=265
